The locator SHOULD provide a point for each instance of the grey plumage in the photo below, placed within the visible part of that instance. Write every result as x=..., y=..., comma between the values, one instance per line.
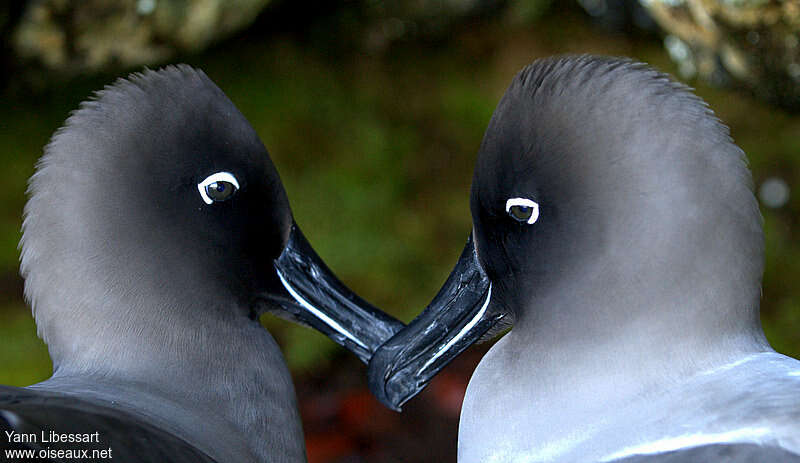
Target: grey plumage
x=125, y=437
x=143, y=293
x=635, y=295
x=728, y=453
x=156, y=233
x=614, y=225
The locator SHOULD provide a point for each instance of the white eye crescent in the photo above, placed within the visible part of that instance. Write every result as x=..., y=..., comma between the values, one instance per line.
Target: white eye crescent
x=523, y=210
x=218, y=187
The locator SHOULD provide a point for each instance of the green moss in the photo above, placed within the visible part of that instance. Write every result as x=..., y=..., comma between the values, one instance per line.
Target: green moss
x=24, y=356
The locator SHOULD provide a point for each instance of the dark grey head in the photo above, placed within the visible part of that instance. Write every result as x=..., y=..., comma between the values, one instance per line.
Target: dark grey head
x=631, y=174
x=604, y=195
x=156, y=210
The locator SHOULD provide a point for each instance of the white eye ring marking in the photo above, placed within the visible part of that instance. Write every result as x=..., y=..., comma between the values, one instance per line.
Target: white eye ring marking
x=213, y=178
x=525, y=203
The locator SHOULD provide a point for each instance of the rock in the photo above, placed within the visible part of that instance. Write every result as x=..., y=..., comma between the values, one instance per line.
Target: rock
x=754, y=44
x=75, y=36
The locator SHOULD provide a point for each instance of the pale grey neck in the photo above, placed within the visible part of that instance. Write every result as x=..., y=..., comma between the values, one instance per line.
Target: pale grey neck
x=660, y=287
x=638, y=330
x=229, y=392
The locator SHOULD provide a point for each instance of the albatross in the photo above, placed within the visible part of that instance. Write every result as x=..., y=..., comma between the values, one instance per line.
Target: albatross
x=150, y=244
x=616, y=234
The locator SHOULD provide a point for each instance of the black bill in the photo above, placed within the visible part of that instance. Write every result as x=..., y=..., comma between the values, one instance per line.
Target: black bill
x=456, y=318
x=323, y=302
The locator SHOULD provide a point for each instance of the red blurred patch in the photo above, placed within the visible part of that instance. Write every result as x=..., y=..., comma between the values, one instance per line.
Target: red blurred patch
x=363, y=413
x=323, y=448
x=343, y=422
x=448, y=390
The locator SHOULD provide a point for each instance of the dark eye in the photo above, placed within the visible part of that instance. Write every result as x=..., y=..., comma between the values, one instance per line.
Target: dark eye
x=218, y=187
x=220, y=191
x=521, y=213
x=523, y=210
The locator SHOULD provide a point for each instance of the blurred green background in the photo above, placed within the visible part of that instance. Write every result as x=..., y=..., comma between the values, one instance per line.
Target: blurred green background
x=376, y=144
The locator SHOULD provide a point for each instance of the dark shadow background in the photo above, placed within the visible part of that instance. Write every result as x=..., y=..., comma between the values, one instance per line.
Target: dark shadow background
x=374, y=126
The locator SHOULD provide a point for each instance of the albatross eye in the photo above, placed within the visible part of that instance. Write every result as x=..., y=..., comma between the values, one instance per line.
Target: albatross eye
x=218, y=187
x=522, y=210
